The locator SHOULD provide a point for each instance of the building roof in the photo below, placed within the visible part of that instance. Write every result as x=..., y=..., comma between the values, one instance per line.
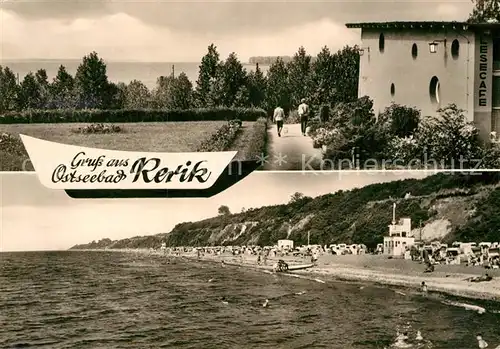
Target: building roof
x=423, y=25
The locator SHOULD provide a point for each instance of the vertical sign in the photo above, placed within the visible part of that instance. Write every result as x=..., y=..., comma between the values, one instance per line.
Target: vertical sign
x=483, y=78
x=484, y=61
x=483, y=74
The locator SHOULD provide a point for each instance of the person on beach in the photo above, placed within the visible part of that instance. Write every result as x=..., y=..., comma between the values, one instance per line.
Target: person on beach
x=303, y=112
x=278, y=117
x=423, y=288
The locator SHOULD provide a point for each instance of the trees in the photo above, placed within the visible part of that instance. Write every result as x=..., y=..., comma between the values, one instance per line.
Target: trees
x=256, y=87
x=346, y=73
x=299, y=76
x=484, y=11
x=182, y=92
x=137, y=95
x=207, y=73
x=231, y=80
x=43, y=82
x=91, y=82
x=278, y=91
x=323, y=79
x=8, y=89
x=220, y=83
x=62, y=94
x=30, y=93
x=223, y=210
x=173, y=92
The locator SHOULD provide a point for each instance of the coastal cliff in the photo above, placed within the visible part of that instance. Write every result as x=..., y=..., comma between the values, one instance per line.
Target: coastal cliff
x=442, y=207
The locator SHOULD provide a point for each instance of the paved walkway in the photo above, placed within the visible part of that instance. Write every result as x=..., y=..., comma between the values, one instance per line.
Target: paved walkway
x=292, y=151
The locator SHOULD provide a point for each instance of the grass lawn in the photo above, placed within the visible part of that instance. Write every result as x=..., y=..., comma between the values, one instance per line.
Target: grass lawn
x=151, y=136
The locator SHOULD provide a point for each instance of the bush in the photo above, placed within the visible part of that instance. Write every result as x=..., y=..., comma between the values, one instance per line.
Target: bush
x=98, y=128
x=491, y=156
x=237, y=122
x=324, y=113
x=13, y=154
x=403, y=149
x=402, y=120
x=222, y=139
x=447, y=139
x=257, y=146
x=325, y=136
x=124, y=115
x=11, y=144
x=352, y=128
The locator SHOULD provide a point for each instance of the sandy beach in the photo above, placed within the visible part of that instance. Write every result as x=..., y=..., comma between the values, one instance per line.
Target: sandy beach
x=449, y=279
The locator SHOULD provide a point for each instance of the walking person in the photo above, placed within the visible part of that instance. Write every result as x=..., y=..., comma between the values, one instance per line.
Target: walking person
x=278, y=117
x=303, y=111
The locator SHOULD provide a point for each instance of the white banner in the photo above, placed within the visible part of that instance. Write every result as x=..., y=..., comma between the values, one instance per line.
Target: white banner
x=62, y=166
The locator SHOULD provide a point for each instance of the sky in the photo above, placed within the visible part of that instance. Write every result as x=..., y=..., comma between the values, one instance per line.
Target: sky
x=34, y=217
x=175, y=31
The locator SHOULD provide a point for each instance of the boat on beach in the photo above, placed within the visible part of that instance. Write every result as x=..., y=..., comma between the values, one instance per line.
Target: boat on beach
x=282, y=266
x=299, y=267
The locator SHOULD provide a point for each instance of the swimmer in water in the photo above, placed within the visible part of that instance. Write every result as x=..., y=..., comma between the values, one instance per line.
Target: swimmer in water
x=265, y=303
x=423, y=288
x=401, y=340
x=419, y=336
x=224, y=300
x=481, y=342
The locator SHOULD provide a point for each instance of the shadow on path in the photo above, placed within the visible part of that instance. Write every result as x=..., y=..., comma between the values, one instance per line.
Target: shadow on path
x=292, y=151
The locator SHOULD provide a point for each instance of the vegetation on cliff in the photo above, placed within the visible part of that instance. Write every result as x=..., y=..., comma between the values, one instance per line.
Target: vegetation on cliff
x=447, y=207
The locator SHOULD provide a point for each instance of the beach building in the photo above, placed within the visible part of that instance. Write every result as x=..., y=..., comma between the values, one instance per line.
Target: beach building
x=429, y=65
x=285, y=244
x=399, y=240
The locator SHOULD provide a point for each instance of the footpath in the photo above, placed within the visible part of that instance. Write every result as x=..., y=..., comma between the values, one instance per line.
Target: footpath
x=292, y=151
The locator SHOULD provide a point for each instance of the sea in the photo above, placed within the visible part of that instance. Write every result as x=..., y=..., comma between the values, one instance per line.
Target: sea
x=77, y=299
x=125, y=72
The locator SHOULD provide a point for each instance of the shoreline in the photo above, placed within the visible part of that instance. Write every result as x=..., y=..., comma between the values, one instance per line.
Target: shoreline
x=446, y=279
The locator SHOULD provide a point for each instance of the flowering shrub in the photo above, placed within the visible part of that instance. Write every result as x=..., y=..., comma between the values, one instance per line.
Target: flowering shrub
x=491, y=156
x=11, y=144
x=403, y=149
x=99, y=128
x=12, y=154
x=221, y=139
x=236, y=121
x=324, y=136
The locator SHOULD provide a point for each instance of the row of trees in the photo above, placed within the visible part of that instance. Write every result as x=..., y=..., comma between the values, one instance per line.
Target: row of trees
x=327, y=78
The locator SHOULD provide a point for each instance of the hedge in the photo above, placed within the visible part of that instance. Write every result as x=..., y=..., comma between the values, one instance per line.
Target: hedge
x=257, y=146
x=222, y=139
x=124, y=115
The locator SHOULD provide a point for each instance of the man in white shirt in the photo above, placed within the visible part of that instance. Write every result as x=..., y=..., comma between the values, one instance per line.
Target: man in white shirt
x=303, y=111
x=278, y=117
